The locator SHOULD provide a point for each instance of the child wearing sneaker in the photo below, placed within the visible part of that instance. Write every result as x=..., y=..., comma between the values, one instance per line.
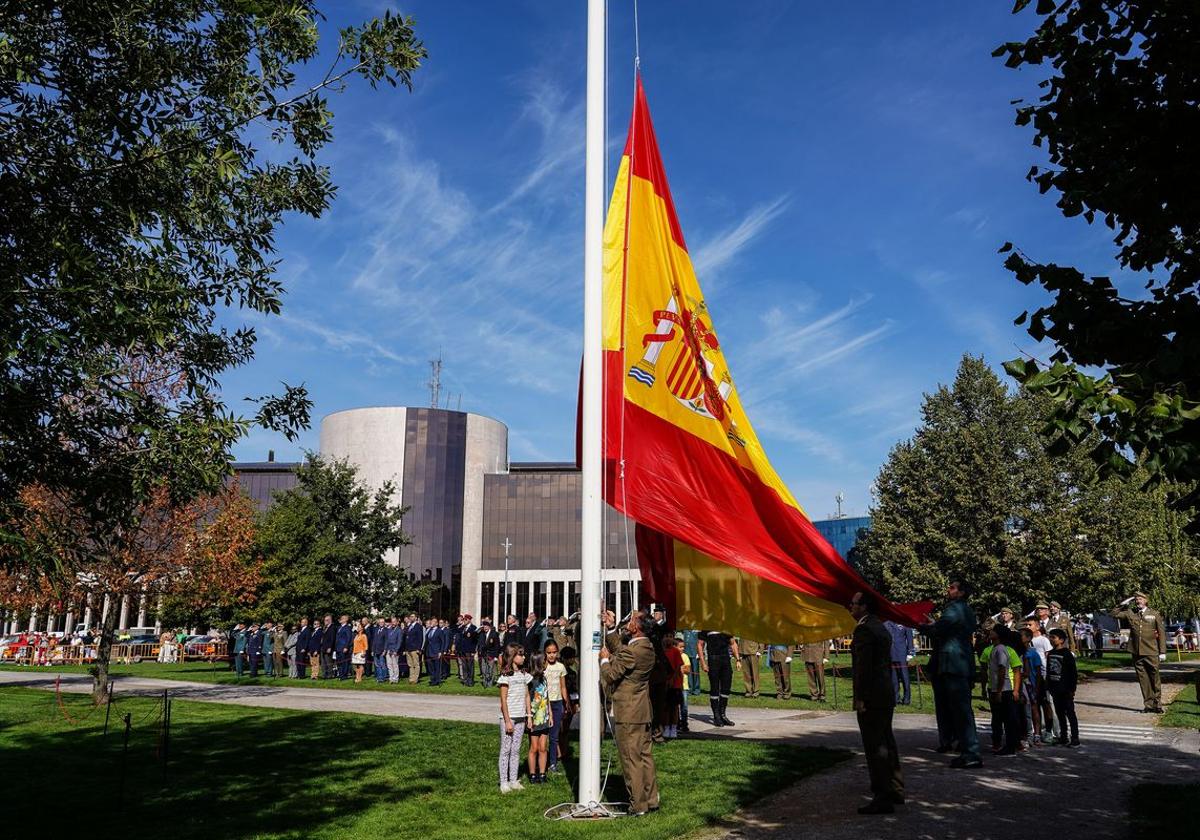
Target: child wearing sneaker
x=1061, y=679
x=540, y=719
x=514, y=712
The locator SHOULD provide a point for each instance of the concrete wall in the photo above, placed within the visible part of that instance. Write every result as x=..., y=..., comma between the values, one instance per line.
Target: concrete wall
x=487, y=452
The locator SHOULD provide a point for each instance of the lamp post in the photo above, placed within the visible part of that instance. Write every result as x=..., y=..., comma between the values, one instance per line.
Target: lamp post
x=507, y=545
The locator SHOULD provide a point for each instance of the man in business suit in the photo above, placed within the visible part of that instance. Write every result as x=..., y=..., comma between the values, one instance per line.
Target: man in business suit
x=268, y=647
x=626, y=677
x=254, y=647
x=392, y=646
x=535, y=635
x=953, y=667
x=237, y=643
x=902, y=652
x=781, y=667
x=328, y=647
x=379, y=650
x=489, y=652
x=343, y=642
x=414, y=643
x=300, y=654
x=875, y=703
x=436, y=645
x=468, y=635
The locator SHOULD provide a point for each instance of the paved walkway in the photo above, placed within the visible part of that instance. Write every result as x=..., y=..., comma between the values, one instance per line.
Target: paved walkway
x=1046, y=792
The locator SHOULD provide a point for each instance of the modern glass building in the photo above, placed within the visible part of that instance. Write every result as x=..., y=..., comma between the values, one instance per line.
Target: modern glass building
x=842, y=533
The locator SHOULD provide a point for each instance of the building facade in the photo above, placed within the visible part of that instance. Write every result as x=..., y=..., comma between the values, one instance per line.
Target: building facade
x=842, y=533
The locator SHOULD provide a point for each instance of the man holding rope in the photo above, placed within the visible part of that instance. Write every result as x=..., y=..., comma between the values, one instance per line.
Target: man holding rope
x=626, y=677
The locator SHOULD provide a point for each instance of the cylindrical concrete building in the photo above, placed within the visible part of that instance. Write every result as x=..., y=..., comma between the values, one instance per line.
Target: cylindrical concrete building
x=437, y=460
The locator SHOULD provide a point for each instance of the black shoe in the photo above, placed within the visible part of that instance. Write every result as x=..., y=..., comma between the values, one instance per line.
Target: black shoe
x=724, y=717
x=716, y=712
x=945, y=748
x=877, y=807
x=1074, y=742
x=895, y=798
x=961, y=762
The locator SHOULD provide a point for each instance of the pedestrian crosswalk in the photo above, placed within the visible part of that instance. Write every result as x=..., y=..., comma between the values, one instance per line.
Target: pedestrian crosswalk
x=1102, y=732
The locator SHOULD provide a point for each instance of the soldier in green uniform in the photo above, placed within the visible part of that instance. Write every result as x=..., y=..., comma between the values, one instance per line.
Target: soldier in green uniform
x=781, y=666
x=1147, y=645
x=750, y=652
x=813, y=654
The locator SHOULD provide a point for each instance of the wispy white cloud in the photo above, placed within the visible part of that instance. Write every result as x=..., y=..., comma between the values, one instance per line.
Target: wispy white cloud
x=724, y=248
x=343, y=339
x=559, y=120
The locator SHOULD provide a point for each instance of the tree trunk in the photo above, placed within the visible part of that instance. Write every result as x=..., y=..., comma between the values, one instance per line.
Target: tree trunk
x=99, y=669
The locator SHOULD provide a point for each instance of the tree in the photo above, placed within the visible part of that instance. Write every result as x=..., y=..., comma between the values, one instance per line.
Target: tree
x=976, y=493
x=199, y=552
x=1121, y=98
x=324, y=545
x=136, y=206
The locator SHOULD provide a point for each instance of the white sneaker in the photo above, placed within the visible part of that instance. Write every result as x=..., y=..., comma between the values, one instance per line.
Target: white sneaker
x=516, y=786
x=505, y=787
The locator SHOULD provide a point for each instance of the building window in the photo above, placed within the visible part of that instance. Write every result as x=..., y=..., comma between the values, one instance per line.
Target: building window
x=539, y=598
x=504, y=610
x=522, y=599
x=556, y=598
x=487, y=599
x=627, y=604
x=610, y=597
x=573, y=599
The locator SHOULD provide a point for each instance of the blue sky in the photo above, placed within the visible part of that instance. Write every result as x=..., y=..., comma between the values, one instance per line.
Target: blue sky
x=844, y=174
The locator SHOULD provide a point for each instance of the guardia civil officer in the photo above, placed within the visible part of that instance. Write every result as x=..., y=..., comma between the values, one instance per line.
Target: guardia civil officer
x=626, y=675
x=750, y=651
x=715, y=649
x=875, y=703
x=1147, y=645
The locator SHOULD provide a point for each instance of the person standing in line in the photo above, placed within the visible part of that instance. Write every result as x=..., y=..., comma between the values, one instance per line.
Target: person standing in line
x=781, y=667
x=489, y=652
x=540, y=719
x=468, y=635
x=313, y=650
x=301, y=655
x=254, y=644
x=902, y=652
x=1004, y=689
x=875, y=704
x=535, y=634
x=393, y=644
x=358, y=651
x=279, y=647
x=343, y=645
x=239, y=649
x=813, y=654
x=626, y=678
x=1061, y=680
x=715, y=649
x=290, y=642
x=955, y=669
x=687, y=666
x=556, y=692
x=1008, y=618
x=750, y=652
x=414, y=642
x=436, y=645
x=328, y=648
x=267, y=639
x=514, y=715
x=1147, y=645
x=1061, y=620
x=379, y=650
x=672, y=649
x=1041, y=643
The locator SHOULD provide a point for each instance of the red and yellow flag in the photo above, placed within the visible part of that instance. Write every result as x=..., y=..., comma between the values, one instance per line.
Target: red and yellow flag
x=720, y=537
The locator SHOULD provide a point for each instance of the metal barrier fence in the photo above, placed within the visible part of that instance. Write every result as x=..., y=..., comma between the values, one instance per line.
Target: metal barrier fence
x=122, y=653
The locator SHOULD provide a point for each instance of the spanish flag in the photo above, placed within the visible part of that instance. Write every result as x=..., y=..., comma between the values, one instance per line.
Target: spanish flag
x=720, y=538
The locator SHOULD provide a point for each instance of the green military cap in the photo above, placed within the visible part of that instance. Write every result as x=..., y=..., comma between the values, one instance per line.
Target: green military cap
x=1041, y=607
x=1008, y=610
x=1141, y=595
x=1054, y=605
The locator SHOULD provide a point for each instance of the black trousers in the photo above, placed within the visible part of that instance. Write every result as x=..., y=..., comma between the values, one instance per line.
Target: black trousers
x=1006, y=722
x=1064, y=707
x=720, y=677
x=883, y=758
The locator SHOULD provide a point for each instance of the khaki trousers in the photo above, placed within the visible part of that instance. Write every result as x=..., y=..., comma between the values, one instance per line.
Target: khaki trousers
x=314, y=664
x=816, y=679
x=750, y=674
x=1146, y=668
x=637, y=765
x=783, y=679
x=414, y=664
x=883, y=759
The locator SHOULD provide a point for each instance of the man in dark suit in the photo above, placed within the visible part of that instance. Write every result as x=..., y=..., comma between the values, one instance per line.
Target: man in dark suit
x=379, y=650
x=414, y=643
x=436, y=645
x=465, y=650
x=392, y=648
x=874, y=703
x=328, y=647
x=489, y=652
x=513, y=633
x=535, y=635
x=300, y=652
x=903, y=651
x=254, y=649
x=343, y=641
x=626, y=676
x=953, y=671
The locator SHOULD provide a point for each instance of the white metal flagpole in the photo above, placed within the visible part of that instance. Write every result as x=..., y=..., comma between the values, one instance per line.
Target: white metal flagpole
x=593, y=501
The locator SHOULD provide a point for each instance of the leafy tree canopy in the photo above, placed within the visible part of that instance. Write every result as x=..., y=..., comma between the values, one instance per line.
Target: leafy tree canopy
x=323, y=546
x=136, y=206
x=1118, y=118
x=976, y=494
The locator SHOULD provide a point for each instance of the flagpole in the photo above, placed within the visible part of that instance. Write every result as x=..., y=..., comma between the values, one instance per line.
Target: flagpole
x=593, y=501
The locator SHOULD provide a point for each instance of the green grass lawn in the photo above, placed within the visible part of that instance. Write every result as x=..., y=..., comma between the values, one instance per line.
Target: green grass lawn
x=237, y=772
x=1184, y=710
x=1161, y=810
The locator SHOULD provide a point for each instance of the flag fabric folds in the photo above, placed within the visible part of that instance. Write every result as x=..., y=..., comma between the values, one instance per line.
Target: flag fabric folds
x=720, y=538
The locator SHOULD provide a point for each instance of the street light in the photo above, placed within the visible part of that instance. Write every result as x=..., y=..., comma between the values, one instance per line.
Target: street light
x=507, y=545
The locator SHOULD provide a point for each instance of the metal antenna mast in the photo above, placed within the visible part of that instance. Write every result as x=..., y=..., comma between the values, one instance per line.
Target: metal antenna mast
x=435, y=381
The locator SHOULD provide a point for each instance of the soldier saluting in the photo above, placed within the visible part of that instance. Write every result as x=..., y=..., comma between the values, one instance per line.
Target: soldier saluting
x=1148, y=646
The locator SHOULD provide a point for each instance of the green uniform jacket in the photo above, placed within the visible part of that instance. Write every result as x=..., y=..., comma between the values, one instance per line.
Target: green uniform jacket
x=952, y=633
x=749, y=648
x=871, y=652
x=1147, y=631
x=814, y=651
x=626, y=678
